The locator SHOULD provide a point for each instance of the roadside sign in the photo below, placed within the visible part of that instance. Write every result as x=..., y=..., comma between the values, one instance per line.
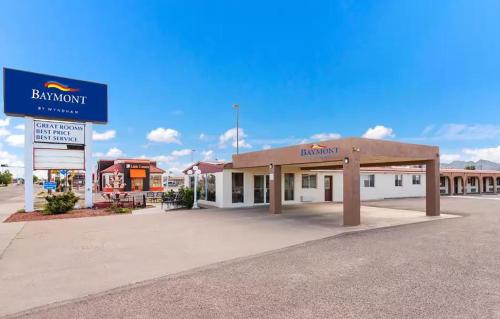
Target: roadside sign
x=54, y=97
x=49, y=185
x=63, y=171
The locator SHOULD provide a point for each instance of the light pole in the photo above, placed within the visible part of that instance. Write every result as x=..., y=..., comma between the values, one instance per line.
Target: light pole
x=195, y=172
x=237, y=108
x=192, y=152
x=168, y=177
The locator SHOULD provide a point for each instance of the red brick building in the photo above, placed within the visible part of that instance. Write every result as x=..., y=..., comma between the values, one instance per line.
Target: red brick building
x=129, y=175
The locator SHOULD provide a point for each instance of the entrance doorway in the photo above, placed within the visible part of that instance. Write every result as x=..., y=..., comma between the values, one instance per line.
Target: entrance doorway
x=137, y=184
x=261, y=189
x=328, y=188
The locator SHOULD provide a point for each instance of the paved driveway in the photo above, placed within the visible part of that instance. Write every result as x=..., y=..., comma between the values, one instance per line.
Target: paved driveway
x=55, y=260
x=442, y=269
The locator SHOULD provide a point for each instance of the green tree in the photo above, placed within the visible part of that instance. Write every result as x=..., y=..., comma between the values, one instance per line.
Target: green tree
x=470, y=167
x=35, y=179
x=5, y=178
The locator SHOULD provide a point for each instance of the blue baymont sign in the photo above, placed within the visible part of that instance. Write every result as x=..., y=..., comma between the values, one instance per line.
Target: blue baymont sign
x=54, y=97
x=317, y=150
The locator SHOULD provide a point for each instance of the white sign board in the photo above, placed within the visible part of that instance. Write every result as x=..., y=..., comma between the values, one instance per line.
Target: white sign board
x=58, y=132
x=46, y=158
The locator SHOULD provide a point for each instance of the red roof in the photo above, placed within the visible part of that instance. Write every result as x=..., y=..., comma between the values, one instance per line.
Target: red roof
x=113, y=168
x=119, y=167
x=207, y=167
x=154, y=169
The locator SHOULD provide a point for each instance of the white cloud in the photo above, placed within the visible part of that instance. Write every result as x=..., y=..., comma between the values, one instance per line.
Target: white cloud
x=5, y=122
x=325, y=136
x=448, y=158
x=16, y=140
x=230, y=136
x=379, y=132
x=304, y=141
x=208, y=155
x=205, y=137
x=488, y=153
x=114, y=152
x=4, y=132
x=104, y=136
x=163, y=135
x=266, y=147
x=183, y=152
x=162, y=158
x=9, y=159
x=463, y=132
x=20, y=127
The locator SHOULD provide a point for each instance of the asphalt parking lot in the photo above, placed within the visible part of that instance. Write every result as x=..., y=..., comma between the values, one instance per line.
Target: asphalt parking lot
x=55, y=260
x=443, y=269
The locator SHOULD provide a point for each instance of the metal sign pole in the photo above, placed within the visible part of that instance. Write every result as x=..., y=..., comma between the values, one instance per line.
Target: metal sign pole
x=28, y=165
x=88, y=165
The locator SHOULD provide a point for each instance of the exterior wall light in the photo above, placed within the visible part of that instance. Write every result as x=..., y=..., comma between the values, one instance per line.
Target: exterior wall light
x=346, y=160
x=271, y=166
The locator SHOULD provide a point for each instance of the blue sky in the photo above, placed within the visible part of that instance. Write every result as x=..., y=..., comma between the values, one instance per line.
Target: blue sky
x=417, y=71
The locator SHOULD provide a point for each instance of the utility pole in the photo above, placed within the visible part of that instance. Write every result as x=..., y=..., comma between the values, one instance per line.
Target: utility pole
x=237, y=108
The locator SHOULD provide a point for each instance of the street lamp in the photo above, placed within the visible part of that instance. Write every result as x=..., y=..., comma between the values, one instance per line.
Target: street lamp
x=168, y=177
x=237, y=108
x=195, y=172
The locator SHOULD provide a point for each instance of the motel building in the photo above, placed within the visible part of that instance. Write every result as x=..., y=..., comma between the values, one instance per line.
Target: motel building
x=129, y=175
x=462, y=182
x=347, y=170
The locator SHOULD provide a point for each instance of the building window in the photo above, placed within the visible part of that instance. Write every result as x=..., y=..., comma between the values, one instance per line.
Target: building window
x=202, y=187
x=289, y=189
x=369, y=180
x=207, y=187
x=309, y=181
x=416, y=179
x=398, y=180
x=498, y=181
x=211, y=188
x=442, y=181
x=155, y=180
x=237, y=187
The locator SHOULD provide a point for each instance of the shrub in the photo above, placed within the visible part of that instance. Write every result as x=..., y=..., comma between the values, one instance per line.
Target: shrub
x=115, y=209
x=186, y=197
x=60, y=204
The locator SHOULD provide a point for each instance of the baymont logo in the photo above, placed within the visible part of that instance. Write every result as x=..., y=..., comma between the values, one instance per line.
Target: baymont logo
x=58, y=97
x=59, y=86
x=318, y=150
x=317, y=146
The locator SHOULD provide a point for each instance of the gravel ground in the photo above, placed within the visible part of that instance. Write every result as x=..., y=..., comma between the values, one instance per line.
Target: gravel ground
x=441, y=269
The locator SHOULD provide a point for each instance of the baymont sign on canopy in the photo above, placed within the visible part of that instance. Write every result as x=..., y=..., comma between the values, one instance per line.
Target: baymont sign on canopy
x=317, y=150
x=53, y=97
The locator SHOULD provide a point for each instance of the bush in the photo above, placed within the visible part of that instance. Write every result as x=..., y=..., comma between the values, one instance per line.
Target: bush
x=60, y=204
x=186, y=197
x=115, y=209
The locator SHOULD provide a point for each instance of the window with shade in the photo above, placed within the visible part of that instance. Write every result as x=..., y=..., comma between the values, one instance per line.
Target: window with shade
x=309, y=181
x=155, y=180
x=398, y=180
x=237, y=188
x=207, y=187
